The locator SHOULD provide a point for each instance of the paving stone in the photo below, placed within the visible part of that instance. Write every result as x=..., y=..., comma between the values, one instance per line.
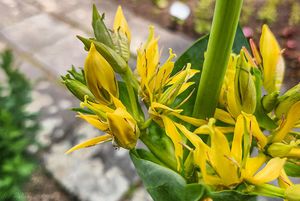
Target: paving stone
x=59, y=57
x=39, y=101
x=36, y=32
x=32, y=72
x=83, y=174
x=13, y=11
x=47, y=127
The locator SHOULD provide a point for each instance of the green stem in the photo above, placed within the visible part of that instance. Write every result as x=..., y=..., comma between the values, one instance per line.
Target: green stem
x=225, y=21
x=269, y=190
x=127, y=77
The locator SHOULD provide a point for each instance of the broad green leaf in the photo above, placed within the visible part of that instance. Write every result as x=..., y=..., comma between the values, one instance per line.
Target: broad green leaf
x=195, y=56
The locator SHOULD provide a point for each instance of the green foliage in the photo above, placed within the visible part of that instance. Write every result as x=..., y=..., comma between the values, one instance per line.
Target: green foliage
x=17, y=131
x=267, y=12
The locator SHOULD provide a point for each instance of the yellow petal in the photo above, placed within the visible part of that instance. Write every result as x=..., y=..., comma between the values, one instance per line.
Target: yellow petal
x=199, y=153
x=156, y=105
x=100, y=77
x=253, y=165
x=292, y=117
x=273, y=64
x=233, y=105
x=148, y=60
x=255, y=130
x=224, y=116
x=191, y=120
x=237, y=147
x=164, y=72
x=94, y=121
x=270, y=172
x=91, y=142
x=124, y=128
x=176, y=138
x=220, y=158
x=120, y=23
x=283, y=180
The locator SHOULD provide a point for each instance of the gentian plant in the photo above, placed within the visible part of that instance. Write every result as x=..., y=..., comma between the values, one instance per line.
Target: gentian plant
x=214, y=122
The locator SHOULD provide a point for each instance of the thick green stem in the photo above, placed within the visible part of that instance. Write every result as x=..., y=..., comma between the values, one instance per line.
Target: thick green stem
x=225, y=21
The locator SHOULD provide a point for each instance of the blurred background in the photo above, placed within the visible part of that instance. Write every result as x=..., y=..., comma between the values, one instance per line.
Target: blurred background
x=36, y=124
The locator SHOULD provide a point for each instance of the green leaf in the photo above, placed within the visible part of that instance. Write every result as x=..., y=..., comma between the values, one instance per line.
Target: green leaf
x=292, y=169
x=195, y=56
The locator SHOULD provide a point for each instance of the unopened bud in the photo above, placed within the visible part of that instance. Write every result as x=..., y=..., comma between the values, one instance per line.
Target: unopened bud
x=270, y=101
x=286, y=101
x=78, y=89
x=116, y=61
x=278, y=149
x=77, y=75
x=245, y=86
x=124, y=128
x=273, y=63
x=100, y=77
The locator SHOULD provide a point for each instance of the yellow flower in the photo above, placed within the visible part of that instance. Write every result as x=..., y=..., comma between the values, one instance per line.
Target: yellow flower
x=273, y=64
x=120, y=23
x=124, y=128
x=229, y=165
x=156, y=82
x=118, y=124
x=100, y=77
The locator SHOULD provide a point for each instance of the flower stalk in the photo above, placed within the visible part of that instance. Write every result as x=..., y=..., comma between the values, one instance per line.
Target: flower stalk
x=225, y=21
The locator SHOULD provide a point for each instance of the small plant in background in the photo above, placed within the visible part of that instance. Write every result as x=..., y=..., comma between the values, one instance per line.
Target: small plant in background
x=17, y=131
x=267, y=12
x=161, y=3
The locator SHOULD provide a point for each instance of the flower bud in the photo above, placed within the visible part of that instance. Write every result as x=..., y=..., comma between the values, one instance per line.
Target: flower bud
x=78, y=89
x=269, y=101
x=100, y=31
x=273, y=64
x=77, y=75
x=100, y=77
x=121, y=35
x=120, y=23
x=287, y=100
x=278, y=149
x=124, y=128
x=245, y=86
x=292, y=193
x=115, y=60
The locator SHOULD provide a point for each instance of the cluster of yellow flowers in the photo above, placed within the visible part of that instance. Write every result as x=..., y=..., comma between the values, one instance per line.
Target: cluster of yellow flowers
x=225, y=158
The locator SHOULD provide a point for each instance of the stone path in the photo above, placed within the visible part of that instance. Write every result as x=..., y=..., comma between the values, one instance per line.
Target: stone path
x=42, y=36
